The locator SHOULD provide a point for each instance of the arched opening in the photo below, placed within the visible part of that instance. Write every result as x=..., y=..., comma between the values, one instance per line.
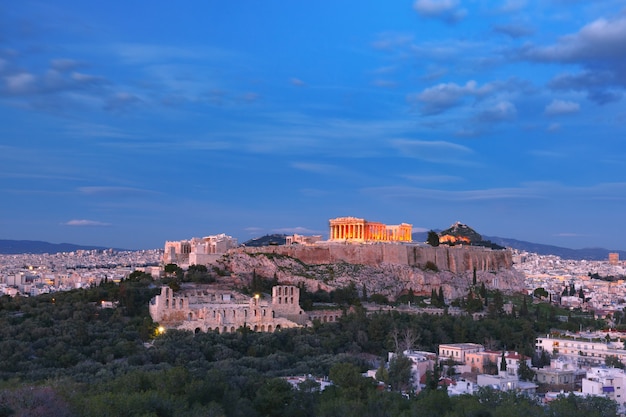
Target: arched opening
x=197, y=330
x=269, y=328
x=190, y=316
x=232, y=329
x=277, y=327
x=225, y=329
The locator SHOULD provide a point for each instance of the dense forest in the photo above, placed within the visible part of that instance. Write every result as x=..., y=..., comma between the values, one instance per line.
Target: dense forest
x=63, y=354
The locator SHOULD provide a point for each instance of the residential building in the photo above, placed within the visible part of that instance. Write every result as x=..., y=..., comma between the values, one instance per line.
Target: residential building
x=606, y=382
x=582, y=348
x=458, y=351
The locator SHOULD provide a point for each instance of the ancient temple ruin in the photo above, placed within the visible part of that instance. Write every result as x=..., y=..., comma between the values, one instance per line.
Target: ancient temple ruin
x=361, y=230
x=225, y=311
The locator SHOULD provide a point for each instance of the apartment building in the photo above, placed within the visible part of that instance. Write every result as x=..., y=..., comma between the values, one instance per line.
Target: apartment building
x=589, y=350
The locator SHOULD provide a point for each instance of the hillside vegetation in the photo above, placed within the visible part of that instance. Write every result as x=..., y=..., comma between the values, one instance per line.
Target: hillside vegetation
x=63, y=355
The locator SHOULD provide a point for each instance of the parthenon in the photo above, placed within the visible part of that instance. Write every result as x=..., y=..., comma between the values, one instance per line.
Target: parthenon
x=361, y=230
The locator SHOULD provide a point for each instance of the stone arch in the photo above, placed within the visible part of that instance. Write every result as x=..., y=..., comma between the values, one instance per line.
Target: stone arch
x=277, y=327
x=190, y=316
x=232, y=329
x=198, y=330
x=269, y=328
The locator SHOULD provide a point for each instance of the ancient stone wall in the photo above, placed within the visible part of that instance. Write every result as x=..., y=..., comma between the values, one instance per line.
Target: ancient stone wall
x=456, y=259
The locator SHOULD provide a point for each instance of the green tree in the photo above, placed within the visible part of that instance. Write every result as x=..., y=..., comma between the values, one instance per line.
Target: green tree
x=524, y=371
x=523, y=312
x=540, y=292
x=433, y=238
x=274, y=397
x=400, y=374
x=614, y=362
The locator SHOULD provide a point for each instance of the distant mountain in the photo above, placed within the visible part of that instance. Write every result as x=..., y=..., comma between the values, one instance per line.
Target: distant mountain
x=267, y=240
x=590, y=254
x=14, y=247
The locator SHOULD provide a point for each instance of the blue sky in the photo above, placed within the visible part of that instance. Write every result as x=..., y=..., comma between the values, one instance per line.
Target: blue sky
x=126, y=124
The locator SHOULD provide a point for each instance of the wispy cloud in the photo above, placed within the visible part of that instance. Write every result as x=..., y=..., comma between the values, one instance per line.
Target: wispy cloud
x=433, y=179
x=498, y=112
x=433, y=151
x=114, y=191
x=86, y=223
x=514, y=31
x=559, y=107
x=445, y=10
x=547, y=191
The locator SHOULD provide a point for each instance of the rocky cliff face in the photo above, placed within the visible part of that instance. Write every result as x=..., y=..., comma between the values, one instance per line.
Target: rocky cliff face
x=381, y=269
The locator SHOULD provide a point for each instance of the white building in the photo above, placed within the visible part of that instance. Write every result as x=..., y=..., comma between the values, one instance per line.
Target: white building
x=457, y=351
x=592, y=348
x=606, y=382
x=502, y=381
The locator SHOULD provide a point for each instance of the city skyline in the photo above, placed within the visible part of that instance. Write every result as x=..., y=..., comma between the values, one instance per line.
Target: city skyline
x=126, y=126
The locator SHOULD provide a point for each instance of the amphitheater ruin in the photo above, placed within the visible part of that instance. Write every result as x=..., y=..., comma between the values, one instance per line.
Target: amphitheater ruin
x=224, y=311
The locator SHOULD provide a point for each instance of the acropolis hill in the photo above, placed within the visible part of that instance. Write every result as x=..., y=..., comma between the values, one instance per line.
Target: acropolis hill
x=376, y=257
x=383, y=268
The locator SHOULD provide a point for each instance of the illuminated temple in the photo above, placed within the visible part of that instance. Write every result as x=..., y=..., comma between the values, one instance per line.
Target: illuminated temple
x=361, y=230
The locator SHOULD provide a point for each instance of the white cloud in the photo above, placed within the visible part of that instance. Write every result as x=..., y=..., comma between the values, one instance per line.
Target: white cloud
x=443, y=96
x=113, y=191
x=446, y=10
x=558, y=107
x=20, y=83
x=433, y=151
x=85, y=223
x=513, y=6
x=600, y=40
x=599, y=48
x=499, y=112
